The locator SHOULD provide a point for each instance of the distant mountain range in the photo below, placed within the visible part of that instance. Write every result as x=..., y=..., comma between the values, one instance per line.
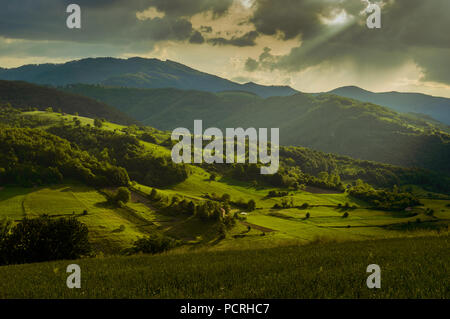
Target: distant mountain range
x=326, y=122
x=437, y=108
x=153, y=73
x=135, y=73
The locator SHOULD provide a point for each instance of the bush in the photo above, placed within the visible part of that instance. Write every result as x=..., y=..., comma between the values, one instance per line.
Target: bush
x=307, y=215
x=123, y=195
x=154, y=244
x=345, y=215
x=251, y=205
x=44, y=239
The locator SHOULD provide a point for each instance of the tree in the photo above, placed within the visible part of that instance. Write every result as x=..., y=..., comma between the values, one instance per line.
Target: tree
x=153, y=244
x=191, y=208
x=44, y=239
x=153, y=194
x=123, y=195
x=98, y=123
x=226, y=198
x=251, y=205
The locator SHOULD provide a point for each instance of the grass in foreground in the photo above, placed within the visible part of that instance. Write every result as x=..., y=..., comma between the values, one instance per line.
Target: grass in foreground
x=410, y=268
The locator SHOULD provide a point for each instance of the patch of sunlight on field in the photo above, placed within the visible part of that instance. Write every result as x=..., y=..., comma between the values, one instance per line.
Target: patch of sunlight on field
x=157, y=150
x=53, y=201
x=198, y=184
x=329, y=222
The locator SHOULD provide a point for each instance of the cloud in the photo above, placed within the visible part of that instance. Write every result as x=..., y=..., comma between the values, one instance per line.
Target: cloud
x=184, y=8
x=108, y=21
x=406, y=34
x=245, y=40
x=196, y=38
x=206, y=29
x=251, y=65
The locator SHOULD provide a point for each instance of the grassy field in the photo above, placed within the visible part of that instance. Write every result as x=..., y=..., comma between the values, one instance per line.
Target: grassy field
x=410, y=268
x=114, y=229
x=273, y=253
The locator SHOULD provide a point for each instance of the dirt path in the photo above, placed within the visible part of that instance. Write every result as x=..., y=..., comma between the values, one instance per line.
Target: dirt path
x=138, y=198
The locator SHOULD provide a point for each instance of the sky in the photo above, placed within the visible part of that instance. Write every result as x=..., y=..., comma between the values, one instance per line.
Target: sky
x=310, y=45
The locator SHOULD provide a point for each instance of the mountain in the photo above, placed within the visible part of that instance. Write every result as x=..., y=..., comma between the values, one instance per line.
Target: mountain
x=22, y=94
x=135, y=73
x=436, y=107
x=328, y=123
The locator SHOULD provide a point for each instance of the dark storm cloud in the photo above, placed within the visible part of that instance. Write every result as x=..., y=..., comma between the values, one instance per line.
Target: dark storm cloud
x=245, y=40
x=197, y=38
x=292, y=18
x=188, y=8
x=411, y=30
x=106, y=21
x=206, y=29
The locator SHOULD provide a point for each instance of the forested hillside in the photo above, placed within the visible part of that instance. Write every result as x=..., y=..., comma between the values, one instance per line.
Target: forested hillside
x=327, y=123
x=22, y=94
x=436, y=107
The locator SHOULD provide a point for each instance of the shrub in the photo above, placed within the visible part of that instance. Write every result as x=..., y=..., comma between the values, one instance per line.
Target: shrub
x=226, y=198
x=251, y=205
x=345, y=215
x=154, y=244
x=98, y=123
x=307, y=215
x=44, y=239
x=123, y=195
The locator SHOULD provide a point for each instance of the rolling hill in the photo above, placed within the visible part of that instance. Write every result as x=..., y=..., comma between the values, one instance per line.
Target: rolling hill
x=134, y=72
x=22, y=94
x=436, y=107
x=327, y=123
x=340, y=229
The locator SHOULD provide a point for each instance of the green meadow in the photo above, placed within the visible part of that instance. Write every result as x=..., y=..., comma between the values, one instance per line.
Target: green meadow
x=318, y=247
x=410, y=268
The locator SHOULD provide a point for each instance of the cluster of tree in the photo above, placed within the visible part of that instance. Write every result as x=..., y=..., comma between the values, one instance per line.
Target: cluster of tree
x=125, y=151
x=383, y=199
x=154, y=244
x=34, y=157
x=42, y=239
x=215, y=209
x=273, y=193
x=291, y=177
x=249, y=205
x=313, y=163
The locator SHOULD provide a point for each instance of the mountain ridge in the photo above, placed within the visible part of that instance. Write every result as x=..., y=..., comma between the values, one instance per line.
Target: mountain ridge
x=407, y=102
x=134, y=72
